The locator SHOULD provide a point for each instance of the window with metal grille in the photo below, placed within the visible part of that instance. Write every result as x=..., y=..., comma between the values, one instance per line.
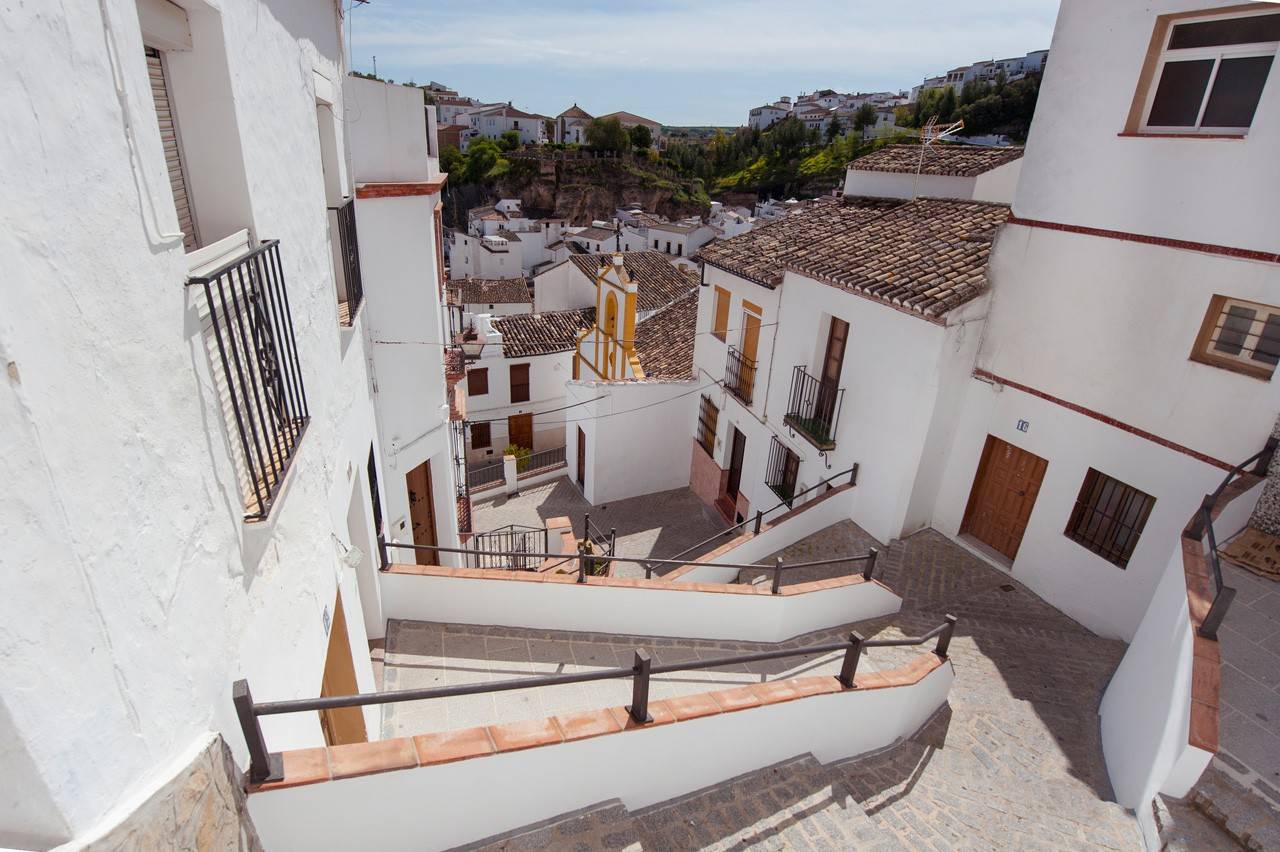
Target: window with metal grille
x=519, y=382
x=1108, y=517
x=708, y=416
x=1210, y=73
x=784, y=467
x=1240, y=336
x=481, y=437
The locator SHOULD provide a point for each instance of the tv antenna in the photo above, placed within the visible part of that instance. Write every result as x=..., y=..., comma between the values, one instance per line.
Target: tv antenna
x=928, y=135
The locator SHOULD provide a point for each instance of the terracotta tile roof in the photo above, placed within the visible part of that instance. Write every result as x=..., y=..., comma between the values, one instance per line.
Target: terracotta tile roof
x=664, y=341
x=542, y=334
x=658, y=281
x=625, y=117
x=509, y=236
x=491, y=291
x=675, y=227
x=574, y=111
x=954, y=160
x=595, y=234
x=927, y=256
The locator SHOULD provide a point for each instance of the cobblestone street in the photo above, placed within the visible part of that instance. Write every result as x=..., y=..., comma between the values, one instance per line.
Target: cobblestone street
x=1014, y=761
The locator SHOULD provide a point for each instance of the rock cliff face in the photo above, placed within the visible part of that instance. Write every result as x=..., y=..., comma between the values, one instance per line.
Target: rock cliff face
x=583, y=190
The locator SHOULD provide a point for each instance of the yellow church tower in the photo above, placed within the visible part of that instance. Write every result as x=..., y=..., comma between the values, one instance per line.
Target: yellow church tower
x=606, y=351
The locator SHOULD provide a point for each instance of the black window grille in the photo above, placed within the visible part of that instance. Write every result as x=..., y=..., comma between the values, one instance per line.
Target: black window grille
x=1109, y=516
x=708, y=417
x=740, y=375
x=783, y=469
x=1243, y=335
x=350, y=284
x=249, y=331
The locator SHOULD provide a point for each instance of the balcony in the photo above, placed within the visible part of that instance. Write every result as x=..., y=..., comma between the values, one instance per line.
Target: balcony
x=248, y=331
x=740, y=375
x=346, y=260
x=813, y=408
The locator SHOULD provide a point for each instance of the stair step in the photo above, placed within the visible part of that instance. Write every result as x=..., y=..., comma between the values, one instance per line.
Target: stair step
x=1241, y=813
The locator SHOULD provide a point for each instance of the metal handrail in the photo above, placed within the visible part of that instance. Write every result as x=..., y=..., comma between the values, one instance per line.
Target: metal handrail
x=268, y=766
x=758, y=518
x=1201, y=527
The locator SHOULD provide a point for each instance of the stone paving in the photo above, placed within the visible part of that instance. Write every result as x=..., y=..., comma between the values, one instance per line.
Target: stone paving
x=658, y=525
x=1013, y=762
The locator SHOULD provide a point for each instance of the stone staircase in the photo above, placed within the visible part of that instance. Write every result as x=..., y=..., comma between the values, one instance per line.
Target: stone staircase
x=1242, y=814
x=798, y=804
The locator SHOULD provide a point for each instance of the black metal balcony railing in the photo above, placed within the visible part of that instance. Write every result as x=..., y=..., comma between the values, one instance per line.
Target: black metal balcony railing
x=782, y=471
x=814, y=408
x=485, y=475
x=256, y=371
x=514, y=547
x=740, y=375
x=350, y=285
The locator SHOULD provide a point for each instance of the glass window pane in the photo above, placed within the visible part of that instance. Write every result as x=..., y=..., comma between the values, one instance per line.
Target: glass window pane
x=1248, y=30
x=1267, y=349
x=1236, y=91
x=1181, y=90
x=1236, y=322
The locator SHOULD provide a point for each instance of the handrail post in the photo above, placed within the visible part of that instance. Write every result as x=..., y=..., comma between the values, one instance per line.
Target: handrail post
x=613, y=541
x=639, y=708
x=759, y=517
x=648, y=571
x=582, y=567
x=1268, y=452
x=944, y=638
x=872, y=555
x=853, y=475
x=1217, y=612
x=263, y=766
x=849, y=668
x=1196, y=528
x=777, y=575
x=382, y=552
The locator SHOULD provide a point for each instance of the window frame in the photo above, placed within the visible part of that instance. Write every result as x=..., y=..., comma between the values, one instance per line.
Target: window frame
x=719, y=323
x=1203, y=352
x=485, y=429
x=1163, y=54
x=782, y=474
x=1093, y=486
x=479, y=375
x=708, y=423
x=511, y=377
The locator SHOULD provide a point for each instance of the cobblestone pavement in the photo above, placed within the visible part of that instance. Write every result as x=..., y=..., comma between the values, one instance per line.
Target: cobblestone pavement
x=422, y=654
x=1013, y=762
x=658, y=525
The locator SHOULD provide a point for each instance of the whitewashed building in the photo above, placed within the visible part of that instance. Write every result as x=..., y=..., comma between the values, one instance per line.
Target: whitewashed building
x=500, y=241
x=571, y=126
x=763, y=117
x=937, y=170
x=492, y=120
x=196, y=467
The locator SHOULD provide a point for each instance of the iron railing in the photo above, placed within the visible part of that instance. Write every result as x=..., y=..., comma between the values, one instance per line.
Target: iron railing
x=1201, y=529
x=350, y=284
x=782, y=470
x=541, y=461
x=257, y=373
x=757, y=520
x=265, y=765
x=483, y=477
x=740, y=375
x=513, y=547
x=813, y=409
x=462, y=490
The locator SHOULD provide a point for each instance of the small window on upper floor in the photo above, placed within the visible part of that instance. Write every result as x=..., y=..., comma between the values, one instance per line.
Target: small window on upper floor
x=1240, y=336
x=1209, y=74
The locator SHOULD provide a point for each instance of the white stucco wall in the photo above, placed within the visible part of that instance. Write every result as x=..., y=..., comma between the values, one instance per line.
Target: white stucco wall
x=547, y=376
x=998, y=184
x=563, y=287
x=626, y=456
x=1079, y=171
x=435, y=807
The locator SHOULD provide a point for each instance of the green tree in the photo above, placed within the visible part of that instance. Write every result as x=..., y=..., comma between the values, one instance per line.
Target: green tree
x=482, y=157
x=641, y=137
x=509, y=140
x=452, y=160
x=865, y=117
x=608, y=135
x=834, y=128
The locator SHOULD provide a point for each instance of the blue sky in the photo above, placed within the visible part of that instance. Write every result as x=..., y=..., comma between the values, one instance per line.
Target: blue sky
x=684, y=63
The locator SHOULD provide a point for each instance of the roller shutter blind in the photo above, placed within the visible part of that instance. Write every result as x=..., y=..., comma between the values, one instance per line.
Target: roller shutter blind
x=172, y=151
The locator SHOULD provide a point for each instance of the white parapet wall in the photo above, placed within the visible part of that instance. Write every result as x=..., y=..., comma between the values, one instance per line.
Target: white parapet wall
x=443, y=805
x=637, y=607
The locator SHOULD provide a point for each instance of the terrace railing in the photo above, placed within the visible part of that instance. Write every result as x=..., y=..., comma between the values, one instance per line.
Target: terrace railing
x=265, y=765
x=541, y=461
x=347, y=252
x=813, y=408
x=485, y=475
x=1201, y=529
x=740, y=375
x=256, y=371
x=501, y=548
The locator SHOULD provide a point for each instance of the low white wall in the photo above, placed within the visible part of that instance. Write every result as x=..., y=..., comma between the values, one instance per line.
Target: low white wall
x=438, y=807
x=683, y=613
x=830, y=511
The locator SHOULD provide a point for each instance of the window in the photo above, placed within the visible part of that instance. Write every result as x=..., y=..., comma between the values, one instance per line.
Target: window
x=1108, y=517
x=1209, y=74
x=165, y=115
x=784, y=467
x=679, y=249
x=720, y=327
x=668, y=246
x=519, y=382
x=1240, y=336
x=480, y=436
x=477, y=382
x=708, y=415
x=655, y=244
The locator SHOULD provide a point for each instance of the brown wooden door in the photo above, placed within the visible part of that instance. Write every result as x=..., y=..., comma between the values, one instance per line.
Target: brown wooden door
x=736, y=452
x=341, y=725
x=520, y=430
x=582, y=458
x=829, y=380
x=422, y=512
x=750, y=336
x=1004, y=493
